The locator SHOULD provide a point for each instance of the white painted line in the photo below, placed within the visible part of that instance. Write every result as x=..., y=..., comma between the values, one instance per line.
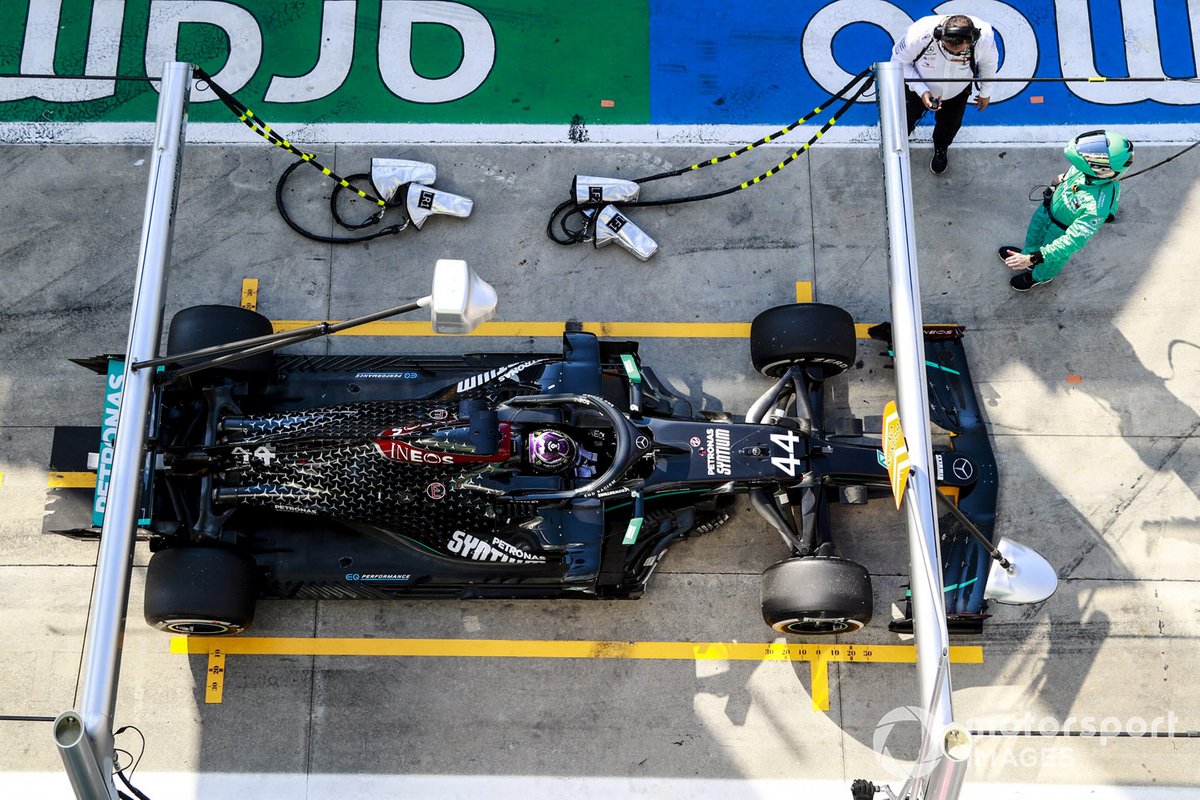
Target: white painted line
x=312, y=136
x=282, y=786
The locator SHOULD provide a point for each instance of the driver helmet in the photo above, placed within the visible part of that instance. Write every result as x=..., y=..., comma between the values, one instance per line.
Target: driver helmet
x=551, y=450
x=1103, y=155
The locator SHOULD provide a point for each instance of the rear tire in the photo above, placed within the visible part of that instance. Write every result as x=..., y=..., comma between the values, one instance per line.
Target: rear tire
x=206, y=326
x=816, y=596
x=200, y=591
x=812, y=335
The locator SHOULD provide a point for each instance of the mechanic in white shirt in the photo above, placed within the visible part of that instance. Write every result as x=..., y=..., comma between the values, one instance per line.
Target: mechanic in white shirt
x=943, y=57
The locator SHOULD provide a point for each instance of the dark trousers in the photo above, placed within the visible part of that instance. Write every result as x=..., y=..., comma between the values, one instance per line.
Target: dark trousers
x=948, y=118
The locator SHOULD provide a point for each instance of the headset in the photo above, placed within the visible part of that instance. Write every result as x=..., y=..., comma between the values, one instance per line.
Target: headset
x=968, y=32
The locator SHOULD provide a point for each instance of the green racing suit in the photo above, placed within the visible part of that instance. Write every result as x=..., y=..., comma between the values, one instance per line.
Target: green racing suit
x=1074, y=213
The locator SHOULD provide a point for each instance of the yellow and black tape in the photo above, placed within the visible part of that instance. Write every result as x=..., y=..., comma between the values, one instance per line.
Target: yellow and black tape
x=785, y=130
x=570, y=208
x=824, y=129
x=846, y=104
x=248, y=118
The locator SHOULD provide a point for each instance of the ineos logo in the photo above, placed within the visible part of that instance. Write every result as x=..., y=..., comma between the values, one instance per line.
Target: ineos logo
x=962, y=469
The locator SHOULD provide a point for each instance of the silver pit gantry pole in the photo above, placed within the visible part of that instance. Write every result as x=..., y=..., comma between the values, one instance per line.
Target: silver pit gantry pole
x=945, y=745
x=85, y=737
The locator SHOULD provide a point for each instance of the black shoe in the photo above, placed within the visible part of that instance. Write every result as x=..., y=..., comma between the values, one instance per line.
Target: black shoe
x=1008, y=250
x=1023, y=281
x=940, y=162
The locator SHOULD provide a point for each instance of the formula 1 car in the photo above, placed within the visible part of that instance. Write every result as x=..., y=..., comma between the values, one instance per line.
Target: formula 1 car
x=521, y=476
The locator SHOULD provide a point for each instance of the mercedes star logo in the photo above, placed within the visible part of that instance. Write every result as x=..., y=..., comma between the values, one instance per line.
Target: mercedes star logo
x=962, y=469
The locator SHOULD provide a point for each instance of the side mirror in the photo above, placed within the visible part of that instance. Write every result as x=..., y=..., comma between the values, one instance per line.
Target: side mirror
x=1030, y=579
x=461, y=300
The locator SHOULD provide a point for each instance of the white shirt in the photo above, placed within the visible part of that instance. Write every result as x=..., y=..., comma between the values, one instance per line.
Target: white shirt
x=927, y=64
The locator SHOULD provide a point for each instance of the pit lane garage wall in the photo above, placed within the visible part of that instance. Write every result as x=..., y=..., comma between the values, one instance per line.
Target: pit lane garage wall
x=667, y=68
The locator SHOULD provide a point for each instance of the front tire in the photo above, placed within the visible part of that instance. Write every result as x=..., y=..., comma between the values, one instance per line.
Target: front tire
x=816, y=596
x=200, y=591
x=812, y=335
x=197, y=327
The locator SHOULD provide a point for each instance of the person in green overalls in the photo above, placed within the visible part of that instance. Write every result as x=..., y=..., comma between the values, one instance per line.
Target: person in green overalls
x=1073, y=208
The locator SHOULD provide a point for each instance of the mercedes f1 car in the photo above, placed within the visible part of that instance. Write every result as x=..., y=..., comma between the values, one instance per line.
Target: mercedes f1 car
x=563, y=474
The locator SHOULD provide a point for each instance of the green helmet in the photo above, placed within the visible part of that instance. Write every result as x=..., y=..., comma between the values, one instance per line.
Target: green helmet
x=1103, y=155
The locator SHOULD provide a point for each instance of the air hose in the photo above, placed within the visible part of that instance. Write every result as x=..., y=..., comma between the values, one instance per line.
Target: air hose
x=250, y=120
x=571, y=207
x=374, y=219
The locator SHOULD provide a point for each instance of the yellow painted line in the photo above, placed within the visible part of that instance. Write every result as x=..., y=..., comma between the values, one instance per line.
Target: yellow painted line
x=683, y=330
x=818, y=654
x=214, y=684
x=545, y=648
x=71, y=480
x=638, y=330
x=643, y=330
x=818, y=670
x=250, y=293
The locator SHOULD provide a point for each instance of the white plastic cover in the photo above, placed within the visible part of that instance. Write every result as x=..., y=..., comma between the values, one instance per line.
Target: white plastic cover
x=425, y=201
x=590, y=189
x=613, y=226
x=389, y=174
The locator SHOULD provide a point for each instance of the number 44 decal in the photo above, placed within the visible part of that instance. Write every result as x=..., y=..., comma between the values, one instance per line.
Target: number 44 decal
x=787, y=442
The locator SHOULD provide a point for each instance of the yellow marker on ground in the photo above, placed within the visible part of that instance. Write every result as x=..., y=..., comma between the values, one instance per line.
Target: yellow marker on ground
x=214, y=684
x=818, y=655
x=524, y=330
x=250, y=294
x=71, y=480
x=553, y=329
x=642, y=330
x=818, y=679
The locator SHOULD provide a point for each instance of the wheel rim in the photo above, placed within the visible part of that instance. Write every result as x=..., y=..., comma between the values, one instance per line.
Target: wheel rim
x=199, y=627
x=817, y=626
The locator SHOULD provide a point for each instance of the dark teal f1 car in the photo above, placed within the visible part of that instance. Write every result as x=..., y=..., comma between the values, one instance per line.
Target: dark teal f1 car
x=563, y=474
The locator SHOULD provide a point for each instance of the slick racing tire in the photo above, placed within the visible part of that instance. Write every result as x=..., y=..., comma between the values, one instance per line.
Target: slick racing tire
x=206, y=326
x=812, y=335
x=200, y=591
x=816, y=596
